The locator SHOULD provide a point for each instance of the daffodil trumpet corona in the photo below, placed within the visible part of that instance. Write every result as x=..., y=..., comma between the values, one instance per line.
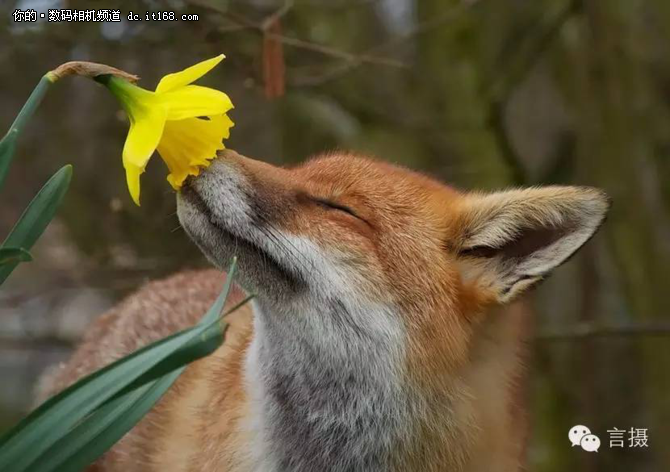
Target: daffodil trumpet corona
x=185, y=123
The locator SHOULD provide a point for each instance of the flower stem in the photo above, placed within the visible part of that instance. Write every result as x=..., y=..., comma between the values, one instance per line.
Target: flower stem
x=8, y=143
x=80, y=68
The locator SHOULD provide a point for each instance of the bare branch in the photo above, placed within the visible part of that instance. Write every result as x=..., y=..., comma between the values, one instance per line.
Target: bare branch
x=36, y=343
x=577, y=333
x=295, y=42
x=589, y=331
x=279, y=14
x=423, y=27
x=500, y=89
x=536, y=45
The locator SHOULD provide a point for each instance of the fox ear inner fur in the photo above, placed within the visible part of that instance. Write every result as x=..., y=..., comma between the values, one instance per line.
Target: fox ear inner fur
x=512, y=239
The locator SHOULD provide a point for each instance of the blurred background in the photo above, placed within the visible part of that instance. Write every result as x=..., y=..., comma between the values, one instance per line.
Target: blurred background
x=482, y=94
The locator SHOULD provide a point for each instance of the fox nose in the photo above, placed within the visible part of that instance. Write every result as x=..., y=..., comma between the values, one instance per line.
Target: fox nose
x=188, y=182
x=187, y=187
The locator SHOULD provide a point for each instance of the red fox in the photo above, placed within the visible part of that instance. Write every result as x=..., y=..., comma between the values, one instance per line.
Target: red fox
x=375, y=341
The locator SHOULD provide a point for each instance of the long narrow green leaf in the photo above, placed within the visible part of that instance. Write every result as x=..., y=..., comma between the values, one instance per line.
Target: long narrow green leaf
x=102, y=429
x=217, y=309
x=81, y=443
x=198, y=348
x=7, y=150
x=37, y=216
x=51, y=421
x=99, y=431
x=46, y=425
x=11, y=255
x=134, y=409
x=8, y=143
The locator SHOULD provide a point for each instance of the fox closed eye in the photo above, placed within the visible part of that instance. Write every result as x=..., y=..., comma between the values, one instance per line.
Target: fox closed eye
x=330, y=205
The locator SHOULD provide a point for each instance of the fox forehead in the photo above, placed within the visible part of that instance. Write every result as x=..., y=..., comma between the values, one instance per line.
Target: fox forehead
x=356, y=173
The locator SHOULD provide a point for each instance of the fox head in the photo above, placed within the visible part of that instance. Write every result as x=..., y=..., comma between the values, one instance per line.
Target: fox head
x=342, y=223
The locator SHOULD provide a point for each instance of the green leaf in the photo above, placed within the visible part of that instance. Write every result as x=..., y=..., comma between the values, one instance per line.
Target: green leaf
x=116, y=417
x=133, y=406
x=102, y=429
x=9, y=255
x=7, y=149
x=82, y=445
x=8, y=143
x=37, y=216
x=217, y=309
x=54, y=419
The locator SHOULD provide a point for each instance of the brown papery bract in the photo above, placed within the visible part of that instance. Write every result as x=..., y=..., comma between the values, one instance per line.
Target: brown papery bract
x=88, y=69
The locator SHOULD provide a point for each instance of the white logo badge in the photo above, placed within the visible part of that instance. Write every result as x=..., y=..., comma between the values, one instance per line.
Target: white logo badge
x=577, y=433
x=580, y=435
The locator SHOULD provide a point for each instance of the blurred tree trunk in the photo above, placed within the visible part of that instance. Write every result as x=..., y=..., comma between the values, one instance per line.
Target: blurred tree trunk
x=660, y=74
x=451, y=80
x=615, y=145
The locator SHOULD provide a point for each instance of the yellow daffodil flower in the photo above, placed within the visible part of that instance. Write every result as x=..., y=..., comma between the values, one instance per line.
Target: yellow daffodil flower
x=185, y=123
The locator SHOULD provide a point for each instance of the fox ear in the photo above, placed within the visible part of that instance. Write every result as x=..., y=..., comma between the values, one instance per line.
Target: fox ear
x=510, y=240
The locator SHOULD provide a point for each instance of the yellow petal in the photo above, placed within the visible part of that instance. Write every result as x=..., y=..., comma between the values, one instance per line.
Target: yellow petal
x=133, y=181
x=189, y=144
x=187, y=76
x=146, y=129
x=192, y=101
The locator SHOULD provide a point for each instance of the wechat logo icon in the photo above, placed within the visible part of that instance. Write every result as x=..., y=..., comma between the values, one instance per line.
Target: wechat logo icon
x=581, y=436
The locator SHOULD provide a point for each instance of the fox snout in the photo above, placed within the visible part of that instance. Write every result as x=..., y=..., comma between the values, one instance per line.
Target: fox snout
x=225, y=214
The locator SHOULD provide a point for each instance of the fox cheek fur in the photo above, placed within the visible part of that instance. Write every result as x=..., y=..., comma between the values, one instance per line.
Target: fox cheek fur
x=377, y=339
